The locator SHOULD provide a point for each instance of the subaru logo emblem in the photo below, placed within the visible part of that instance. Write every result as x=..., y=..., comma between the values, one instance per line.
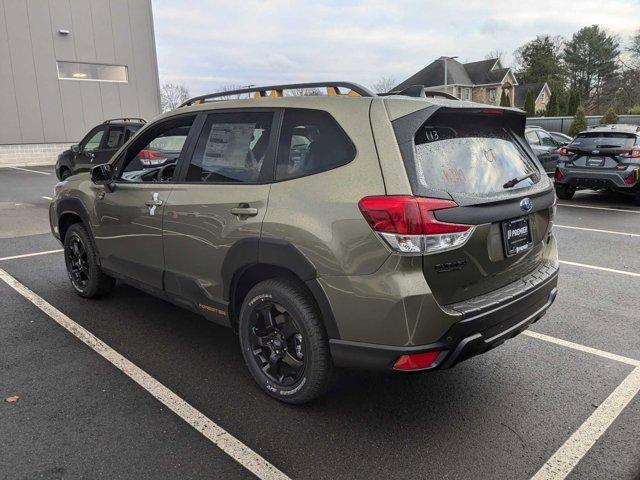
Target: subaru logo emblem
x=526, y=204
x=595, y=152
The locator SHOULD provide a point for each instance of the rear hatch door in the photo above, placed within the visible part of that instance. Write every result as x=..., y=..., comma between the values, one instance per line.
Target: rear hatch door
x=478, y=158
x=600, y=150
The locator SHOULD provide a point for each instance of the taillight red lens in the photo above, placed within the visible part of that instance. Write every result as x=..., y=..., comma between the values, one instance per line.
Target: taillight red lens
x=564, y=152
x=416, y=361
x=558, y=175
x=631, y=179
x=407, y=215
x=634, y=153
x=151, y=155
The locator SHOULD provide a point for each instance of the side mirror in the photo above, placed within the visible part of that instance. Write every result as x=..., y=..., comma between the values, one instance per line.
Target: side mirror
x=75, y=148
x=102, y=174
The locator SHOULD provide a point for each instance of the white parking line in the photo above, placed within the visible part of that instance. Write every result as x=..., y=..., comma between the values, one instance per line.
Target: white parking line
x=598, y=208
x=576, y=447
x=582, y=348
x=50, y=198
x=604, y=269
x=209, y=429
x=598, y=230
x=29, y=170
x=26, y=255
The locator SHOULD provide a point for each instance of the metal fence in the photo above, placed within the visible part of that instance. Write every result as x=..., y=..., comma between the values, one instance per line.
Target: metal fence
x=561, y=124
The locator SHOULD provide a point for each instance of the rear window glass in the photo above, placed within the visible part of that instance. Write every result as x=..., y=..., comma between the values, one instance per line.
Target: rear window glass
x=591, y=140
x=472, y=155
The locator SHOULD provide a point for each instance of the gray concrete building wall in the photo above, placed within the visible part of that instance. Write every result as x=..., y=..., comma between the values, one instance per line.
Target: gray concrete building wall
x=36, y=107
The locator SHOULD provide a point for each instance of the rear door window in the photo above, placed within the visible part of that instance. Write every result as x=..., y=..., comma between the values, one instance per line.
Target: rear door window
x=594, y=140
x=532, y=138
x=232, y=148
x=546, y=139
x=471, y=155
x=311, y=142
x=115, y=137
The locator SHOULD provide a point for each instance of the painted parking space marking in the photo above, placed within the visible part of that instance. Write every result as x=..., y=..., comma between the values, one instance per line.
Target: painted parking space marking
x=47, y=198
x=29, y=170
x=580, y=442
x=598, y=208
x=582, y=348
x=27, y=255
x=241, y=453
x=597, y=230
x=604, y=269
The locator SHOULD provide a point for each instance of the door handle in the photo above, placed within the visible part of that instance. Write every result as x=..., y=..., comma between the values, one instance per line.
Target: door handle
x=244, y=211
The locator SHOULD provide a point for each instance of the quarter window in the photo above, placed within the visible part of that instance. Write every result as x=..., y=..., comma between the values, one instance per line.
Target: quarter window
x=532, y=138
x=311, y=142
x=232, y=148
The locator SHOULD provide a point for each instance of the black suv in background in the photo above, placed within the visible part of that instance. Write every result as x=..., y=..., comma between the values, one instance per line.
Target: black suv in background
x=97, y=146
x=545, y=146
x=606, y=156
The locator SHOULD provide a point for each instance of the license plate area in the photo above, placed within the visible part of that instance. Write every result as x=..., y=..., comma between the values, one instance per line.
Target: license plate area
x=516, y=236
x=595, y=161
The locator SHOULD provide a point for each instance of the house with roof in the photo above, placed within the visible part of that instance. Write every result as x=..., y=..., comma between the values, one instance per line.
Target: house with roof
x=482, y=81
x=541, y=95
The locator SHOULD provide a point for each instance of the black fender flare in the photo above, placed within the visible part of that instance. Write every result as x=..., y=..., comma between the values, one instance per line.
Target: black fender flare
x=77, y=207
x=251, y=252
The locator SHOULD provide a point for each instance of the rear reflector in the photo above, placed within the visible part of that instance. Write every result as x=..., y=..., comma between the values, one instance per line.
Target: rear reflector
x=408, y=225
x=631, y=179
x=558, y=175
x=416, y=361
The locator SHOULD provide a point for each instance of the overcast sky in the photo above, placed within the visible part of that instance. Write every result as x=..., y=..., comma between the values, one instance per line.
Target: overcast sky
x=205, y=44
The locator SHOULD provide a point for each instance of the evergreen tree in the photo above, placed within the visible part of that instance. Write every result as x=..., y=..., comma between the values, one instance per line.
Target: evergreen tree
x=504, y=99
x=609, y=118
x=591, y=59
x=552, y=106
x=574, y=102
x=579, y=123
x=529, y=104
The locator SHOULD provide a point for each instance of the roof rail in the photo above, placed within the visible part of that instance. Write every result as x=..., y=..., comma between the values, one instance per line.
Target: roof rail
x=126, y=119
x=355, y=90
x=420, y=92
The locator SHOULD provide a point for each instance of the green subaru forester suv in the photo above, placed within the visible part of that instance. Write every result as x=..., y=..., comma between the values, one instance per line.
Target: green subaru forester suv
x=402, y=232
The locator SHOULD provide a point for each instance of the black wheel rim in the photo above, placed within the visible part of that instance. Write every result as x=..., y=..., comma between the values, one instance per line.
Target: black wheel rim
x=277, y=344
x=77, y=263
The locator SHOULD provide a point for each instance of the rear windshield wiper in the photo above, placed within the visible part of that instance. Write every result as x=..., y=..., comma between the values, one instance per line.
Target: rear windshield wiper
x=514, y=181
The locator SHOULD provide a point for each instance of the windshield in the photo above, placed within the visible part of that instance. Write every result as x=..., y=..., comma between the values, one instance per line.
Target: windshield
x=470, y=154
x=591, y=140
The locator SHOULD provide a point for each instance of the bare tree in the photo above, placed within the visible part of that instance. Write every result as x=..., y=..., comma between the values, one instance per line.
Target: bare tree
x=497, y=53
x=172, y=95
x=304, y=92
x=383, y=84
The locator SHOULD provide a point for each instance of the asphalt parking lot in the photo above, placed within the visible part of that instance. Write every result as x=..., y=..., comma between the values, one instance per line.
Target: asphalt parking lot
x=132, y=387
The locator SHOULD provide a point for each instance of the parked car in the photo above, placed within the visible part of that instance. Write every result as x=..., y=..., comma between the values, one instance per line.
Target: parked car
x=396, y=233
x=607, y=156
x=545, y=147
x=561, y=138
x=97, y=146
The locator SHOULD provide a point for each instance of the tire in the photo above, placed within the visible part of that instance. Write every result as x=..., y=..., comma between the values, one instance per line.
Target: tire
x=294, y=313
x=87, y=279
x=565, y=192
x=65, y=173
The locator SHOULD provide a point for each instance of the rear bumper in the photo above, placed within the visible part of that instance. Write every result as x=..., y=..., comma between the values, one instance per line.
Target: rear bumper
x=598, y=179
x=486, y=324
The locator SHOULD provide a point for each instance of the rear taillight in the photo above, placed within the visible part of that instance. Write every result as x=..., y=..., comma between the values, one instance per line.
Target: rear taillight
x=416, y=361
x=633, y=153
x=408, y=225
x=564, y=152
x=558, y=175
x=151, y=157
